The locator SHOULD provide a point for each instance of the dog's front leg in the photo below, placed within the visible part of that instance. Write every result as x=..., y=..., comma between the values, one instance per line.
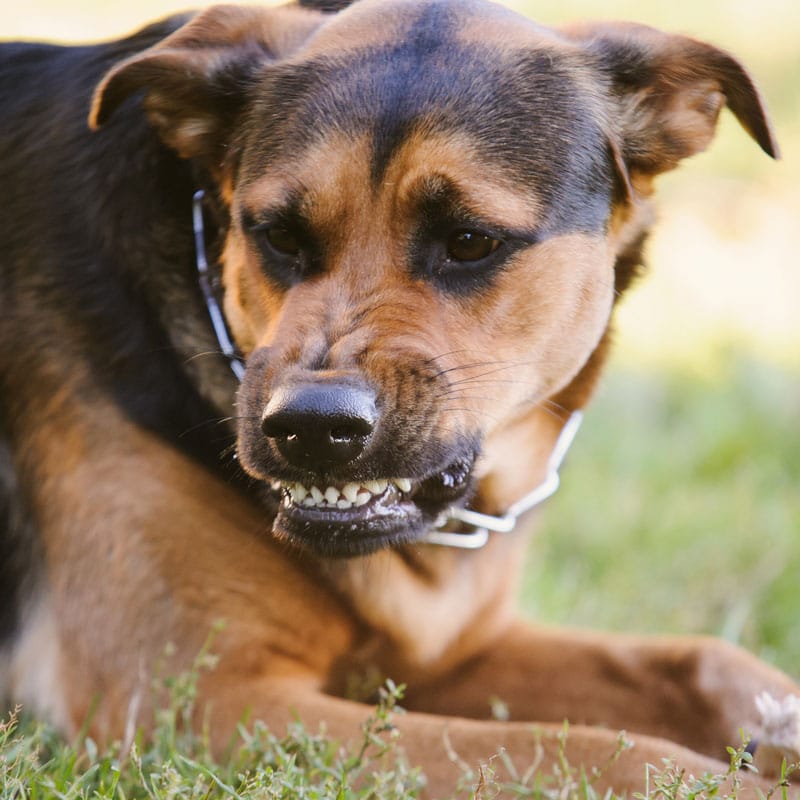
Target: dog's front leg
x=697, y=691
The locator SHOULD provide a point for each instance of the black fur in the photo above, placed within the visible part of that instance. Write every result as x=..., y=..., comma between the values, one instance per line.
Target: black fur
x=18, y=546
x=83, y=289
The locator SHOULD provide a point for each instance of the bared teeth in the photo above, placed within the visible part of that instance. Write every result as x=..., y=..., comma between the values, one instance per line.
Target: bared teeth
x=332, y=495
x=349, y=496
x=350, y=491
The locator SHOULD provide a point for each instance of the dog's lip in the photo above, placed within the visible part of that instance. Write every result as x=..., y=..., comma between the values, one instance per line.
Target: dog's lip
x=341, y=497
x=359, y=517
x=389, y=509
x=387, y=519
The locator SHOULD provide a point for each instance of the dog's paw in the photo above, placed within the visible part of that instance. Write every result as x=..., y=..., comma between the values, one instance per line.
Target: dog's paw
x=779, y=732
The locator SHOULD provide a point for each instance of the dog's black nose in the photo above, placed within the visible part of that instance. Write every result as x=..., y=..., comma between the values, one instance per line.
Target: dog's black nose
x=320, y=423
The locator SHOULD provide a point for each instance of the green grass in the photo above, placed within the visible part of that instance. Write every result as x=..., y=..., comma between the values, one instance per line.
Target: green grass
x=36, y=764
x=680, y=511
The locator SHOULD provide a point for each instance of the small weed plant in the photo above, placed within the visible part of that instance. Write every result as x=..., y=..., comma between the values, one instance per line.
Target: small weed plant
x=176, y=763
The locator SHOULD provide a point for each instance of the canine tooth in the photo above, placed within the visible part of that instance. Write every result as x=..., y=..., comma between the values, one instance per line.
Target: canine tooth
x=350, y=491
x=317, y=495
x=344, y=504
x=362, y=498
x=299, y=492
x=382, y=486
x=376, y=487
x=332, y=495
x=403, y=484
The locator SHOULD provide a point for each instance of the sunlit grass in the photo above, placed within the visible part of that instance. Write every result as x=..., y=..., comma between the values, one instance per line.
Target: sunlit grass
x=300, y=764
x=680, y=511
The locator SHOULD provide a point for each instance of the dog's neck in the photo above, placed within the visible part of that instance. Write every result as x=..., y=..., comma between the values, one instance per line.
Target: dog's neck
x=454, y=600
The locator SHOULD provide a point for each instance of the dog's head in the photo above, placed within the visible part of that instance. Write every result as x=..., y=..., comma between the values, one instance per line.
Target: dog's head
x=433, y=204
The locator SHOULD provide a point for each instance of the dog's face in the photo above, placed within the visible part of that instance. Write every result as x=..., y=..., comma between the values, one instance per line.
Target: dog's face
x=427, y=201
x=404, y=273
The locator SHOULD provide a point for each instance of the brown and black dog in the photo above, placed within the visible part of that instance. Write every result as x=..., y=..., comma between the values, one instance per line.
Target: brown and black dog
x=423, y=212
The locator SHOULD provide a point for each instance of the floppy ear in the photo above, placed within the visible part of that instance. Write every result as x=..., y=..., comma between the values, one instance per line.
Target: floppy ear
x=669, y=92
x=194, y=83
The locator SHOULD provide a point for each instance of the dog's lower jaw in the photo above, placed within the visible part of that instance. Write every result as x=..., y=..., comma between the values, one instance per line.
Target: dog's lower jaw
x=343, y=534
x=434, y=606
x=335, y=519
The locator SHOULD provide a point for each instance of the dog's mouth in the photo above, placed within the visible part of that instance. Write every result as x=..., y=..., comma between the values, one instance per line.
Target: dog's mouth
x=342, y=519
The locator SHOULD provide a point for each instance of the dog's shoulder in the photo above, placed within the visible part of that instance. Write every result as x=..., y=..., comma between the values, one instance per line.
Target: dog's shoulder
x=91, y=230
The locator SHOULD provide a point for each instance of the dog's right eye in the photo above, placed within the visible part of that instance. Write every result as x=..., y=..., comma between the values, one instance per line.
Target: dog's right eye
x=282, y=240
x=289, y=253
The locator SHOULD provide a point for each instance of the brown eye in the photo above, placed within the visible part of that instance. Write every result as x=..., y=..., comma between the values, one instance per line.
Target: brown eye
x=283, y=241
x=470, y=246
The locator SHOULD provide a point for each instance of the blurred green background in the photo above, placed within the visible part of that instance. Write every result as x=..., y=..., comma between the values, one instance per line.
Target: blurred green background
x=680, y=506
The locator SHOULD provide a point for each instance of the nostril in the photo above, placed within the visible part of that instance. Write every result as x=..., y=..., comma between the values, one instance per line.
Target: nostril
x=275, y=430
x=352, y=429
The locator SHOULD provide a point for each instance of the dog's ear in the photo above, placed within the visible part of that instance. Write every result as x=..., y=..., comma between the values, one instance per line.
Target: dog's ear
x=194, y=83
x=669, y=91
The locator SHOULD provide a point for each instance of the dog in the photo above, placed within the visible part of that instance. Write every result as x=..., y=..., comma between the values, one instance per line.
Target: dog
x=300, y=306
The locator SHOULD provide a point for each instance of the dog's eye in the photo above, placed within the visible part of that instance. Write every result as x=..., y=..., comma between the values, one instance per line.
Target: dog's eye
x=282, y=240
x=467, y=246
x=287, y=249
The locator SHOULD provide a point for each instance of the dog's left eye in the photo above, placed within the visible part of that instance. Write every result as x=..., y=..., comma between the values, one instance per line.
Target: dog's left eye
x=467, y=246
